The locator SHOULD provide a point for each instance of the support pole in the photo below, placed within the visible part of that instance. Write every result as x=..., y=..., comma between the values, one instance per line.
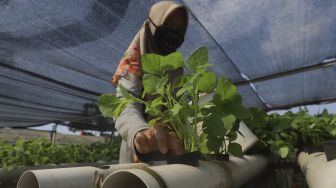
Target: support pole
x=53, y=132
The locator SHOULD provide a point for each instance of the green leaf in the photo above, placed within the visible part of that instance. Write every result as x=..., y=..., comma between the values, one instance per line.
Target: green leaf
x=184, y=99
x=284, y=135
x=168, y=115
x=112, y=106
x=149, y=83
x=152, y=122
x=160, y=87
x=225, y=90
x=194, y=78
x=151, y=63
x=152, y=111
x=232, y=135
x=202, y=68
x=228, y=121
x=284, y=151
x=235, y=149
x=282, y=123
x=182, y=91
x=213, y=125
x=218, y=124
x=238, y=110
x=207, y=82
x=333, y=132
x=157, y=102
x=294, y=125
x=176, y=109
x=124, y=92
x=180, y=81
x=214, y=144
x=172, y=61
x=198, y=58
x=257, y=119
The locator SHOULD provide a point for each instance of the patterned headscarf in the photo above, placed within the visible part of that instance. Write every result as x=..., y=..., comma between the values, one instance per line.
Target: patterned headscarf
x=130, y=65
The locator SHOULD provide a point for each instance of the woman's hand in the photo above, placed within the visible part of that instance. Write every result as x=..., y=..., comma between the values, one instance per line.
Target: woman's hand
x=158, y=138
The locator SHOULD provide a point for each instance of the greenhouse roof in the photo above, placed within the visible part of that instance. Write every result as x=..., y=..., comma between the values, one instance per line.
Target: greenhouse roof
x=56, y=57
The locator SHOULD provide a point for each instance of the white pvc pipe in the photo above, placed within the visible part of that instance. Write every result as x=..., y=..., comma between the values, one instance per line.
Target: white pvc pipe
x=103, y=172
x=209, y=174
x=318, y=171
x=108, y=169
x=18, y=171
x=81, y=177
x=58, y=178
x=175, y=175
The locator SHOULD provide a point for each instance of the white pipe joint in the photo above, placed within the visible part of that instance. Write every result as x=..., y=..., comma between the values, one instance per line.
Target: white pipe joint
x=210, y=174
x=81, y=177
x=318, y=171
x=58, y=178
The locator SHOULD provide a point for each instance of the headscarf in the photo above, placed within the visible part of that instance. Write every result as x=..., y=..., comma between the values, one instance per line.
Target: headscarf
x=143, y=42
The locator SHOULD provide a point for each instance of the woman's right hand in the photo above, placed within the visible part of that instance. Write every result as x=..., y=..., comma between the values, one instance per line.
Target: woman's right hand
x=158, y=138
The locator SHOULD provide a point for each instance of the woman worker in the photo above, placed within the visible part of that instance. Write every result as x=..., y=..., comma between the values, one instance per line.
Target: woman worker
x=162, y=33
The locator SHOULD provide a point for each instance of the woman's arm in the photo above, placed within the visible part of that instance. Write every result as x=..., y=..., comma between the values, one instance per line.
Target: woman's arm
x=131, y=120
x=131, y=123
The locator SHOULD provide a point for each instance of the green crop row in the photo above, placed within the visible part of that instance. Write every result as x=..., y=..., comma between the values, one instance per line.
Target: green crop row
x=41, y=151
x=283, y=133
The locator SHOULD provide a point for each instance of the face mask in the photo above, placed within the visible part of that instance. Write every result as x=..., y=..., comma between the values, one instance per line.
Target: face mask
x=168, y=40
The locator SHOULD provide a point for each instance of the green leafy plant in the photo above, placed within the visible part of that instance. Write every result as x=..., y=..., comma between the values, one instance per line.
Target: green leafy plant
x=283, y=133
x=314, y=129
x=175, y=102
x=274, y=132
x=41, y=151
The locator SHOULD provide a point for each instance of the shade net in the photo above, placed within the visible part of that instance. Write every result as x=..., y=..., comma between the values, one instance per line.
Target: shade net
x=57, y=57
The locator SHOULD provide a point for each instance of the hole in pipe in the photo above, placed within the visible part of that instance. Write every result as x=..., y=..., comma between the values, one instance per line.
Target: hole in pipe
x=124, y=179
x=105, y=167
x=28, y=180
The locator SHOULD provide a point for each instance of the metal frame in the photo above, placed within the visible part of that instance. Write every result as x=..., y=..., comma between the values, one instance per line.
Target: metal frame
x=288, y=106
x=287, y=73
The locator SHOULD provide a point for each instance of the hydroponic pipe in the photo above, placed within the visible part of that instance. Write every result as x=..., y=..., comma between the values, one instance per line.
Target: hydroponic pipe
x=81, y=177
x=58, y=178
x=210, y=174
x=318, y=171
x=18, y=171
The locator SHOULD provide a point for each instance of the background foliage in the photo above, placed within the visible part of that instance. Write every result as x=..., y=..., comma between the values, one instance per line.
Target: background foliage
x=283, y=133
x=41, y=151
